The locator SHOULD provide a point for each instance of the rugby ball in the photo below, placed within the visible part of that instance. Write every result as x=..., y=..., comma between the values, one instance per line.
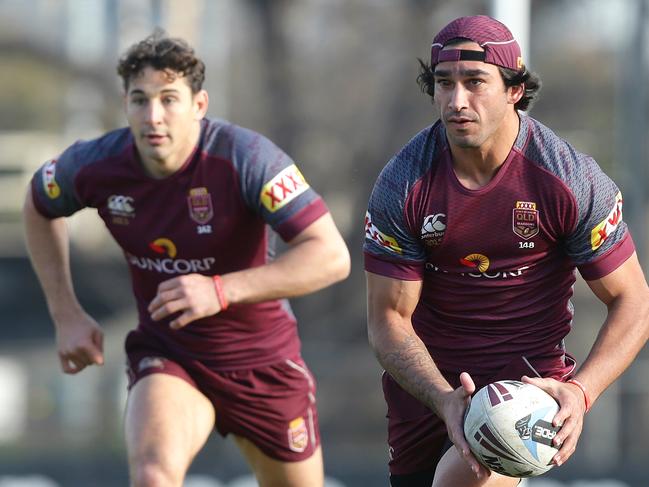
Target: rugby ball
x=508, y=426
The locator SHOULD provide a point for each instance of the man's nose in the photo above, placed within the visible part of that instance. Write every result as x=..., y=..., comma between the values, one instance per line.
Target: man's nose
x=459, y=98
x=155, y=112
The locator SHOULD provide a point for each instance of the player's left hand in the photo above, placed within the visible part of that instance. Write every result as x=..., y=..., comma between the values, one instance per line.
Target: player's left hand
x=452, y=411
x=570, y=416
x=193, y=295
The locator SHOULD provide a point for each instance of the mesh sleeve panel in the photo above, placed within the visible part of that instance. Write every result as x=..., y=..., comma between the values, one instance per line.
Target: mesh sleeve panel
x=599, y=227
x=389, y=236
x=271, y=183
x=54, y=187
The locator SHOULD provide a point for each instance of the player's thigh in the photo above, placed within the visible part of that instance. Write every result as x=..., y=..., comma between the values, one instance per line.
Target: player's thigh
x=276, y=473
x=453, y=470
x=167, y=421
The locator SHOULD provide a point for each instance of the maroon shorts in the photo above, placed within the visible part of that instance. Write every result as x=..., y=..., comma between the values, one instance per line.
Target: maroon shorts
x=417, y=438
x=273, y=406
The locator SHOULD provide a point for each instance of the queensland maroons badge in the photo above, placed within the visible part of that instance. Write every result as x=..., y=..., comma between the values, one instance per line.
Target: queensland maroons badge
x=298, y=435
x=200, y=205
x=525, y=219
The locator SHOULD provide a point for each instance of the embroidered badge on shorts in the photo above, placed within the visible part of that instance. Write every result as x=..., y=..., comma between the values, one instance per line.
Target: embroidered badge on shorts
x=298, y=435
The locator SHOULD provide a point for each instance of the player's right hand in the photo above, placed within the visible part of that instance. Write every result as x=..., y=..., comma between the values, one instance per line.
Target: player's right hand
x=570, y=415
x=453, y=415
x=192, y=296
x=80, y=343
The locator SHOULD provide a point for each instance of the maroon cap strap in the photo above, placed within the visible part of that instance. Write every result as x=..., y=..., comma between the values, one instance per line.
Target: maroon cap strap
x=460, y=55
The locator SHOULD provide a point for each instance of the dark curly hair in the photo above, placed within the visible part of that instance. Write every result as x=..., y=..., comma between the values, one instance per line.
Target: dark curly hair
x=165, y=54
x=532, y=82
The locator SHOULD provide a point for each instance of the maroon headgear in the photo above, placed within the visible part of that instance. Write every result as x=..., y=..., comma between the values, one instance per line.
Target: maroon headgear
x=500, y=47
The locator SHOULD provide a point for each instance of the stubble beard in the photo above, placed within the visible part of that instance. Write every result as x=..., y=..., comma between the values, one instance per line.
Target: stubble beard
x=465, y=141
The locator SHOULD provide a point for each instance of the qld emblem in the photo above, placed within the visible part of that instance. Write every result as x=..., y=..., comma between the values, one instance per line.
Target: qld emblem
x=200, y=205
x=298, y=435
x=525, y=219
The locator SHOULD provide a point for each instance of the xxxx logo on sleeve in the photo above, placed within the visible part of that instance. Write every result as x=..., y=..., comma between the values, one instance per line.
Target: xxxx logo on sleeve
x=52, y=189
x=604, y=228
x=376, y=235
x=283, y=188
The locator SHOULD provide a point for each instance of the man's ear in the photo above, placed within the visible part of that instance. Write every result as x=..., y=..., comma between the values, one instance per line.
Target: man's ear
x=201, y=102
x=515, y=93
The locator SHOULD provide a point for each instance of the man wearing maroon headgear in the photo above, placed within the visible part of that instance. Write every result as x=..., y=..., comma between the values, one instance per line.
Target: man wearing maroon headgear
x=473, y=233
x=190, y=200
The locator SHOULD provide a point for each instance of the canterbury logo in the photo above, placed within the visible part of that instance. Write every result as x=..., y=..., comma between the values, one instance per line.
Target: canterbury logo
x=433, y=223
x=120, y=204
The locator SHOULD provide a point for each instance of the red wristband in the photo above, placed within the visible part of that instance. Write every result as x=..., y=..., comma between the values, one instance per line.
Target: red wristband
x=583, y=390
x=220, y=294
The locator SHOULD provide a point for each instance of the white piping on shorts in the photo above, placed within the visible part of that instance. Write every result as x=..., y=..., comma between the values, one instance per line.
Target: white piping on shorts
x=306, y=374
x=574, y=366
x=311, y=427
x=530, y=365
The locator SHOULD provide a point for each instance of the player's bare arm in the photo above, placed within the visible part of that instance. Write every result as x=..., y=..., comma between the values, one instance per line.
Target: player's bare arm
x=625, y=331
x=79, y=337
x=317, y=257
x=404, y=356
x=623, y=334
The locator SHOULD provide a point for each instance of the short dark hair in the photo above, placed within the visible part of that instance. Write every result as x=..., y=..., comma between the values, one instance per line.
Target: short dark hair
x=162, y=53
x=530, y=80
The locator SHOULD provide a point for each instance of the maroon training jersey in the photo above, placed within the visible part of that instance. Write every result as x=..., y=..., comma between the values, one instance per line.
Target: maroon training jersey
x=497, y=263
x=209, y=218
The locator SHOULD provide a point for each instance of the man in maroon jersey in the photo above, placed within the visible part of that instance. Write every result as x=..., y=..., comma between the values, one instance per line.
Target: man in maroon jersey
x=189, y=200
x=473, y=234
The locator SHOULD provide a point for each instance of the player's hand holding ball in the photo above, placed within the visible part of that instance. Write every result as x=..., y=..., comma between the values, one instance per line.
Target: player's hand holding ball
x=451, y=410
x=511, y=427
x=574, y=405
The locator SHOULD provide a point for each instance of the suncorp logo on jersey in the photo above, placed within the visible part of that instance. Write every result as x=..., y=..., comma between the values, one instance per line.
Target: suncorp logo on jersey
x=480, y=264
x=168, y=264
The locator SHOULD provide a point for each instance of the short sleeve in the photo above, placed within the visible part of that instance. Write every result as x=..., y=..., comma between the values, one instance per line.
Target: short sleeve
x=391, y=249
x=273, y=186
x=53, y=190
x=600, y=242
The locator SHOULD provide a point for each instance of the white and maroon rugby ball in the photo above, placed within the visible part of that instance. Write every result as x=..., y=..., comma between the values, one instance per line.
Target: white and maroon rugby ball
x=508, y=426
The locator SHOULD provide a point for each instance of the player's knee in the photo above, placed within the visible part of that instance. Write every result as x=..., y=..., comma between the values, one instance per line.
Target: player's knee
x=154, y=474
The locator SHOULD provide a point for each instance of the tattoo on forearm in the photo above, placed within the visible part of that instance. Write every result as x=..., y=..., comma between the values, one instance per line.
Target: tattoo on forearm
x=410, y=364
